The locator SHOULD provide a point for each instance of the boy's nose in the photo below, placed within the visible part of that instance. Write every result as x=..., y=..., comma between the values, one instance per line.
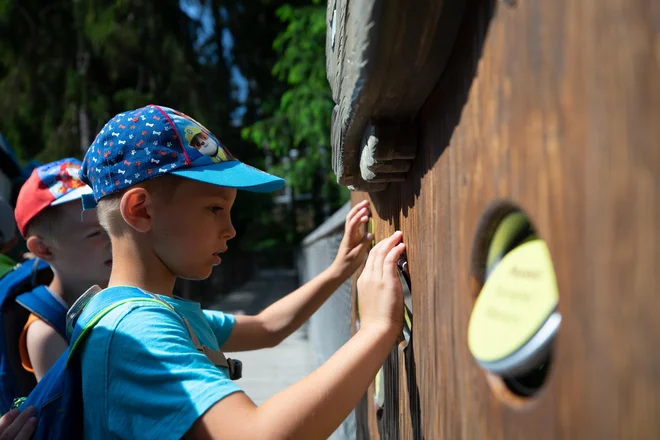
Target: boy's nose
x=229, y=232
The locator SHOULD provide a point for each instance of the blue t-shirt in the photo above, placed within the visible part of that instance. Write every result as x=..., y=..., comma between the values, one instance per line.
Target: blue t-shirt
x=142, y=377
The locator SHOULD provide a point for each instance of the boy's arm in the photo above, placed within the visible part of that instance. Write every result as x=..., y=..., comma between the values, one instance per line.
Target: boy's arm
x=44, y=346
x=282, y=318
x=314, y=407
x=276, y=322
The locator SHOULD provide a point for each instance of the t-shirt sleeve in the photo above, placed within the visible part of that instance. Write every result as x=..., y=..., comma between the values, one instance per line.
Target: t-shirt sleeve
x=221, y=324
x=158, y=383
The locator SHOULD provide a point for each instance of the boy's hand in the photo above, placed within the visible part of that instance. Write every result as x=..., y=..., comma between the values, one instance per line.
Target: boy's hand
x=355, y=243
x=17, y=425
x=380, y=297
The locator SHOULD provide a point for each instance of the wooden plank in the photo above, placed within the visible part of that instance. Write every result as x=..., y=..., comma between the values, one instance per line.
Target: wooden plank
x=554, y=107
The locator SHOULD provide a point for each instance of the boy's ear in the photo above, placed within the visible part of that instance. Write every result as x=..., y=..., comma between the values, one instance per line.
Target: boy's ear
x=135, y=208
x=39, y=248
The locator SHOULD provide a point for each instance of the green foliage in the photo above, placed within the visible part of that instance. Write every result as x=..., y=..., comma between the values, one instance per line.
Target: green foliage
x=300, y=118
x=64, y=62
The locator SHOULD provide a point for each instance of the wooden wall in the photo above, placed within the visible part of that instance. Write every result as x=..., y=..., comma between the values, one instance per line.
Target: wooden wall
x=554, y=107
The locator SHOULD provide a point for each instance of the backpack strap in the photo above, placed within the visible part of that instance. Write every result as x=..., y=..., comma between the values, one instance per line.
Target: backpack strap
x=104, y=304
x=22, y=278
x=42, y=303
x=217, y=357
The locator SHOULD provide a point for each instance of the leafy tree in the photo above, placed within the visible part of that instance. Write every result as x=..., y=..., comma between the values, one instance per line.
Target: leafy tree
x=295, y=126
x=66, y=67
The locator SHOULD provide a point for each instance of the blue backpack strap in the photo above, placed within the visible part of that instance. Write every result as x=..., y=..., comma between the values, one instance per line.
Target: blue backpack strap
x=22, y=278
x=42, y=303
x=101, y=305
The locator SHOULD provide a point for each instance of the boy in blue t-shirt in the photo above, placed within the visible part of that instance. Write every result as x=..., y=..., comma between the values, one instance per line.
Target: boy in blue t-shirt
x=166, y=206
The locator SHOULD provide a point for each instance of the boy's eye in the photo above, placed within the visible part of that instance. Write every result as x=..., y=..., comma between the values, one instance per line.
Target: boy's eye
x=215, y=209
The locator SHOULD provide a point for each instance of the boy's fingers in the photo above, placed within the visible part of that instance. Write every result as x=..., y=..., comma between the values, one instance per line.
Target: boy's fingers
x=355, y=209
x=384, y=246
x=374, y=259
x=365, y=242
x=361, y=247
x=28, y=429
x=14, y=428
x=382, y=249
x=392, y=257
x=368, y=237
x=6, y=420
x=369, y=265
x=359, y=222
x=357, y=219
x=377, y=255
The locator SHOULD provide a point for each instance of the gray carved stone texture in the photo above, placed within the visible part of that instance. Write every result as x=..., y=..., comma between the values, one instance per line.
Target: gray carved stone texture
x=383, y=58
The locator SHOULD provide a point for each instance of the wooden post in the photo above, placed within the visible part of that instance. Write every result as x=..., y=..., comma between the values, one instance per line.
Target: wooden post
x=553, y=108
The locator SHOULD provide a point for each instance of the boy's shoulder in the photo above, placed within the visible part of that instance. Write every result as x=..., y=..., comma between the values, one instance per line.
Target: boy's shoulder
x=123, y=322
x=40, y=334
x=131, y=315
x=107, y=307
x=44, y=345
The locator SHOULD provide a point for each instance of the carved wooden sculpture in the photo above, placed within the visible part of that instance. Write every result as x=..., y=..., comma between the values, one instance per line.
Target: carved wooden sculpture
x=383, y=59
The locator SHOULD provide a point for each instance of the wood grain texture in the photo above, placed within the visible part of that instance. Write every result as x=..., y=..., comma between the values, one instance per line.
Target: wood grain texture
x=553, y=107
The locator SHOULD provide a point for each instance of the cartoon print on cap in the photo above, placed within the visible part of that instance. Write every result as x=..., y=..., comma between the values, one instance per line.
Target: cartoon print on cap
x=203, y=143
x=198, y=137
x=66, y=178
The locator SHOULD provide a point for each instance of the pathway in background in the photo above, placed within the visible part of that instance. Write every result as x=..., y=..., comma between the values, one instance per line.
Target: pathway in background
x=268, y=371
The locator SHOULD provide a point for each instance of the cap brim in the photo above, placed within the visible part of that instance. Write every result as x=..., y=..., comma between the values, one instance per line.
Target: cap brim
x=73, y=195
x=232, y=174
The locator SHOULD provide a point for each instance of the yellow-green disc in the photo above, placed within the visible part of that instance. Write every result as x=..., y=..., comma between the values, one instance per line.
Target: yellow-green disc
x=510, y=227
x=516, y=300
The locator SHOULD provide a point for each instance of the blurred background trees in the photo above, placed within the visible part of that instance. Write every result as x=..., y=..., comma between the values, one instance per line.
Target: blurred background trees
x=252, y=71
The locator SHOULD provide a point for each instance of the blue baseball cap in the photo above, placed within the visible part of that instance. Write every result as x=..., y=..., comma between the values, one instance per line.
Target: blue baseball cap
x=154, y=140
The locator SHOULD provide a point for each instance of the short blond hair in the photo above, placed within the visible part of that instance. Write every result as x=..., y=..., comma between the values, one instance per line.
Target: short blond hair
x=109, y=214
x=46, y=225
x=108, y=208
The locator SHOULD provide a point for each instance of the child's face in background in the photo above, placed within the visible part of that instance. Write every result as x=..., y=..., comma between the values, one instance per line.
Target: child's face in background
x=192, y=227
x=82, y=249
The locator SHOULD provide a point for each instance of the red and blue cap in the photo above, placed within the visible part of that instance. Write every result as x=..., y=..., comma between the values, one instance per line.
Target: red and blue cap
x=152, y=141
x=49, y=185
